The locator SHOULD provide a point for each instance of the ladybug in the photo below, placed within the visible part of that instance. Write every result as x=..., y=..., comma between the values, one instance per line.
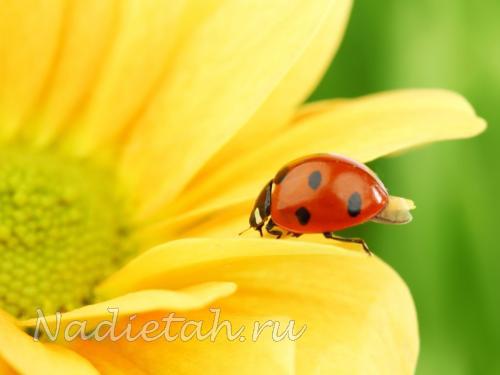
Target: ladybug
x=325, y=193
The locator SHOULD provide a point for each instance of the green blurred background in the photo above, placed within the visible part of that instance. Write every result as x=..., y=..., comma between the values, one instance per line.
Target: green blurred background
x=449, y=255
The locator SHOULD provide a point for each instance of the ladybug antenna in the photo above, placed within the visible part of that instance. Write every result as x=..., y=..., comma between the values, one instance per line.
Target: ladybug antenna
x=246, y=230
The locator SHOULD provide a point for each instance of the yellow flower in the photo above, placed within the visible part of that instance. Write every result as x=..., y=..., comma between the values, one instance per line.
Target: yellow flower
x=146, y=129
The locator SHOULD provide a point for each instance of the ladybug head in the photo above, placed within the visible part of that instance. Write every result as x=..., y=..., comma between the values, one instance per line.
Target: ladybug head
x=262, y=208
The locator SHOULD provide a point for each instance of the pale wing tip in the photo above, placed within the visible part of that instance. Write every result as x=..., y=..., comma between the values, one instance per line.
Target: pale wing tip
x=397, y=211
x=409, y=203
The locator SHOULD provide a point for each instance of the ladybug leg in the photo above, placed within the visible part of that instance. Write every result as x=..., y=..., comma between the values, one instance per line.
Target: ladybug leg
x=270, y=229
x=293, y=234
x=359, y=241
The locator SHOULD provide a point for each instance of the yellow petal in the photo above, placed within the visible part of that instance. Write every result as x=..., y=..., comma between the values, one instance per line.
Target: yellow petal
x=160, y=356
x=5, y=369
x=220, y=77
x=80, y=52
x=137, y=59
x=226, y=220
x=143, y=301
x=31, y=33
x=363, y=129
x=21, y=353
x=359, y=314
x=293, y=90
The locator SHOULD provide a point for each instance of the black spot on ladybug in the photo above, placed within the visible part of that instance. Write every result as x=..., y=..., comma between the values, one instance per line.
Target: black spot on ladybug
x=280, y=176
x=354, y=204
x=303, y=215
x=315, y=180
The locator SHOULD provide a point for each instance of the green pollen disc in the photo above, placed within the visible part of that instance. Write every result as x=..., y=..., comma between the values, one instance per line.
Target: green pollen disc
x=63, y=229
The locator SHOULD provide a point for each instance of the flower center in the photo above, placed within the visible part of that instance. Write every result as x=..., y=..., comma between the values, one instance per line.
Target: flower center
x=62, y=230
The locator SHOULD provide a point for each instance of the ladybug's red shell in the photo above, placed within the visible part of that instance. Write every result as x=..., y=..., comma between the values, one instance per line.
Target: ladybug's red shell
x=325, y=193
